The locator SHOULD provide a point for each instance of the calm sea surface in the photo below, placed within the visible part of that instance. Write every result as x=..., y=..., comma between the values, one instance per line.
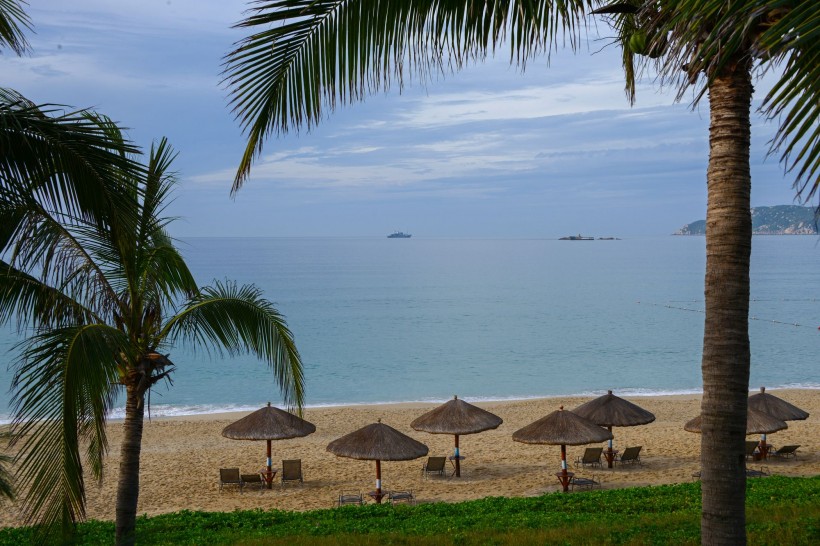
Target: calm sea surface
x=385, y=320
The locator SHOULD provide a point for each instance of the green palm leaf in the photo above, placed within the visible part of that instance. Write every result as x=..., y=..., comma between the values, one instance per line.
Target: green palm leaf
x=306, y=56
x=707, y=36
x=69, y=159
x=64, y=385
x=6, y=488
x=12, y=22
x=236, y=319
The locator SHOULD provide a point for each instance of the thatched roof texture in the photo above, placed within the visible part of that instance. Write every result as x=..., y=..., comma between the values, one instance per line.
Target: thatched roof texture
x=456, y=417
x=562, y=428
x=757, y=422
x=612, y=411
x=377, y=442
x=776, y=407
x=268, y=423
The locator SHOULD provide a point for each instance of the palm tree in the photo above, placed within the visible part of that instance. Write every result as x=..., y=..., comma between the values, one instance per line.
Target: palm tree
x=105, y=301
x=306, y=56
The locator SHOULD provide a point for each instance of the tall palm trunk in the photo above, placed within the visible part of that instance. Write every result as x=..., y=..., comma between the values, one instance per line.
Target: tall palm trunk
x=726, y=355
x=128, y=487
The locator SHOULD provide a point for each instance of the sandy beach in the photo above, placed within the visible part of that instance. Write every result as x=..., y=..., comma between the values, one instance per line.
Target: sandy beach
x=181, y=457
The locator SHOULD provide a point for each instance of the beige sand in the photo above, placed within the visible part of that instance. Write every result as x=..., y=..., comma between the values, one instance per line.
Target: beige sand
x=181, y=457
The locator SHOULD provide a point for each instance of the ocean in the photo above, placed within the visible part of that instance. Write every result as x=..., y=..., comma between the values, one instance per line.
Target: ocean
x=382, y=320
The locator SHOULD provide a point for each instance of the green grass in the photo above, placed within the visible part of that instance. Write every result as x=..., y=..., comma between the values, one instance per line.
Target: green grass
x=779, y=511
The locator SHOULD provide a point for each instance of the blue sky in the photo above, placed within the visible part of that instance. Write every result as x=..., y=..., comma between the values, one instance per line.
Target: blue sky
x=487, y=152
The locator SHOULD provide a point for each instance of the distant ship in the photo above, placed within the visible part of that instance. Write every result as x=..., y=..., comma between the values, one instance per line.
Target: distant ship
x=399, y=235
x=578, y=237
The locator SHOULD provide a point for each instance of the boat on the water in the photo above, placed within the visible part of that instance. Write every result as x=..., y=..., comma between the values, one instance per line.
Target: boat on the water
x=399, y=235
x=578, y=237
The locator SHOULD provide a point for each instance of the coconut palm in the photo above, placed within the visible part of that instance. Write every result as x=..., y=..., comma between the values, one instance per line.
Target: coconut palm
x=103, y=304
x=306, y=56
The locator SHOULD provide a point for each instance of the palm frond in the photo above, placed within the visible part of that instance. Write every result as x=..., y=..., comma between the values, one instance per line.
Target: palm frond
x=64, y=385
x=69, y=159
x=36, y=304
x=6, y=486
x=236, y=319
x=305, y=56
x=59, y=249
x=707, y=37
x=792, y=40
x=12, y=22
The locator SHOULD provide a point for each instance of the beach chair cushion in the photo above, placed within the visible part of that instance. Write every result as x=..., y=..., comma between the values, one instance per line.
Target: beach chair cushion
x=591, y=457
x=434, y=465
x=785, y=452
x=584, y=483
x=401, y=496
x=631, y=455
x=230, y=476
x=350, y=497
x=292, y=471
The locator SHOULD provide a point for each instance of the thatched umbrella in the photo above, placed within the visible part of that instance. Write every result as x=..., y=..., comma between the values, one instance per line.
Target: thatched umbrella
x=612, y=411
x=268, y=423
x=777, y=408
x=377, y=442
x=757, y=422
x=562, y=428
x=456, y=417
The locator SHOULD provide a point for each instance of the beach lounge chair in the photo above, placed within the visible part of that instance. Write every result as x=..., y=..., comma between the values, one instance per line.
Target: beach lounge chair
x=230, y=476
x=785, y=452
x=591, y=457
x=751, y=449
x=631, y=455
x=584, y=483
x=401, y=496
x=434, y=465
x=752, y=473
x=292, y=471
x=253, y=480
x=350, y=497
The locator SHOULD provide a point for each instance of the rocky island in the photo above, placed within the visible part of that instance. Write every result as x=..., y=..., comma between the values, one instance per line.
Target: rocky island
x=777, y=220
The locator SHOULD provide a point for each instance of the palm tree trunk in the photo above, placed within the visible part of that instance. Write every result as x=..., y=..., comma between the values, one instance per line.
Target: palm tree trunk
x=726, y=355
x=128, y=487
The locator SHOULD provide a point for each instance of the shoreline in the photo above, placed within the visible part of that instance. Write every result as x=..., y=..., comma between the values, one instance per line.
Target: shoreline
x=182, y=455
x=169, y=411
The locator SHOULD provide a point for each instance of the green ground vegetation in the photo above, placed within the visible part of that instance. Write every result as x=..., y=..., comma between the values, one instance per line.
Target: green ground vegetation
x=780, y=511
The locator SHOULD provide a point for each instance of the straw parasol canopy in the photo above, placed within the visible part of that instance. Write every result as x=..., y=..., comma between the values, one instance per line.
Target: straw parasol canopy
x=612, y=411
x=268, y=423
x=456, y=417
x=377, y=442
x=776, y=407
x=562, y=428
x=757, y=422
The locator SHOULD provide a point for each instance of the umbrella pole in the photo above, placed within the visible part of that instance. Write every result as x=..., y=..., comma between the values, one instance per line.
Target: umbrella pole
x=563, y=476
x=764, y=449
x=378, y=495
x=610, y=456
x=269, y=477
x=457, y=457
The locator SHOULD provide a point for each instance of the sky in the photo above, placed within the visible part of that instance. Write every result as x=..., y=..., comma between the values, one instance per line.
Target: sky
x=487, y=152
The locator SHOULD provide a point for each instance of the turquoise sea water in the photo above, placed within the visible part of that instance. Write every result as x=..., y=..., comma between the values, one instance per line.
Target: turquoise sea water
x=386, y=320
